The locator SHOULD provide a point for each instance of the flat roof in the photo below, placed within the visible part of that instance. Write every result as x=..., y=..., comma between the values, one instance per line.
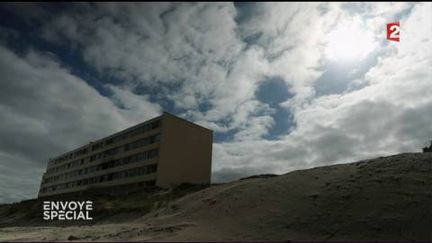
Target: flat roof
x=187, y=121
x=127, y=130
x=108, y=137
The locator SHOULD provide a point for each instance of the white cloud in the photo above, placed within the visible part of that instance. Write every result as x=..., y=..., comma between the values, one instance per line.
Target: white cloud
x=22, y=178
x=390, y=115
x=211, y=66
x=47, y=111
x=195, y=54
x=137, y=108
x=200, y=50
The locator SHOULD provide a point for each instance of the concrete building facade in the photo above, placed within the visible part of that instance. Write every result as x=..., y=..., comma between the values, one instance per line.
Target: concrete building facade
x=164, y=151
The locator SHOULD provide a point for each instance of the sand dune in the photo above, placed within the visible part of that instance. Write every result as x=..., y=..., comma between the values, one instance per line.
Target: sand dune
x=388, y=198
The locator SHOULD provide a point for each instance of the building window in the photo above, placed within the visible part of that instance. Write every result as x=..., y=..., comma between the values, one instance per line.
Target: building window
x=109, y=141
x=155, y=124
x=150, y=183
x=153, y=153
x=97, y=146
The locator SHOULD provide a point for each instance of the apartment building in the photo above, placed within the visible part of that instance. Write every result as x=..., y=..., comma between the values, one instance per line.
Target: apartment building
x=164, y=151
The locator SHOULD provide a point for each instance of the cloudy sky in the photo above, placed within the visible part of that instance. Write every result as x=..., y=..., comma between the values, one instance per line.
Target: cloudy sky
x=283, y=86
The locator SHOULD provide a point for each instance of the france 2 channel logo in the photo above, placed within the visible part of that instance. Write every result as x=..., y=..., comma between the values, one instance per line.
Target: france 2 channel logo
x=393, y=31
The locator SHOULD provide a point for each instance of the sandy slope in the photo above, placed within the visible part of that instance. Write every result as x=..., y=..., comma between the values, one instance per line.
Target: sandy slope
x=386, y=199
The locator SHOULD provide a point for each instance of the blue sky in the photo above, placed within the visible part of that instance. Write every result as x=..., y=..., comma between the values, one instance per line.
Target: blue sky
x=284, y=86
